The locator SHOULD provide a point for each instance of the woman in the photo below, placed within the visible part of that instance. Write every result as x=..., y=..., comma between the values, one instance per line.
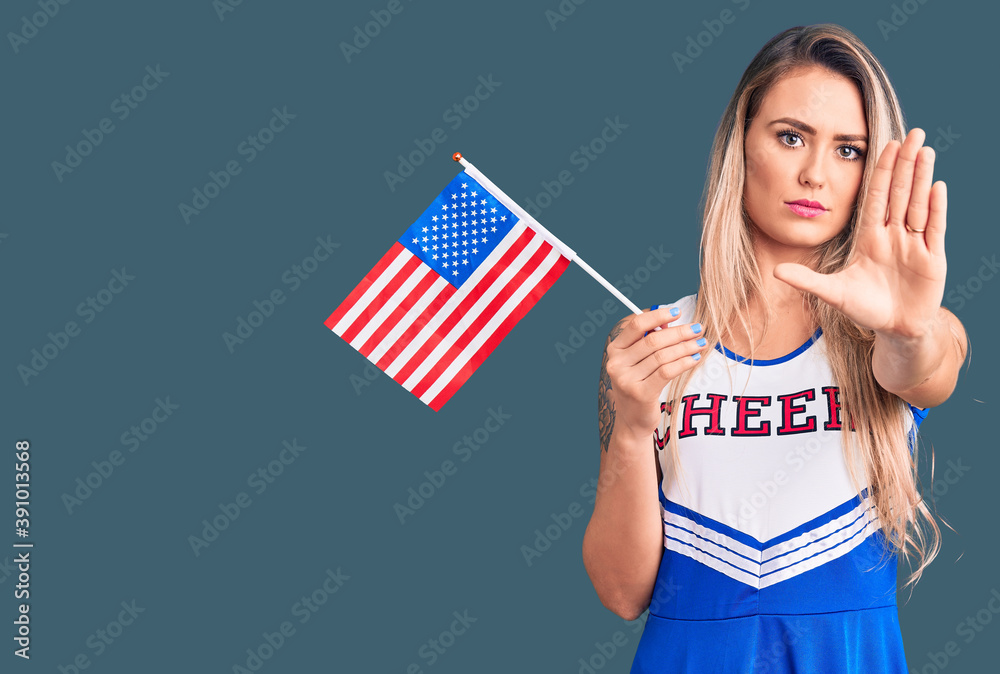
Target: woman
x=799, y=372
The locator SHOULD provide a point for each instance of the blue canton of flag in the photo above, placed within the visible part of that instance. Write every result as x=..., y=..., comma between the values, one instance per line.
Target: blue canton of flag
x=459, y=229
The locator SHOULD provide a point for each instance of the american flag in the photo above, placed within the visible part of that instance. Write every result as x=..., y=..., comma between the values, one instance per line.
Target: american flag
x=450, y=289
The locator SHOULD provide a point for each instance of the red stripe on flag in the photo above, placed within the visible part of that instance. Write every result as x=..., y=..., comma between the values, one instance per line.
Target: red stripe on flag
x=487, y=314
x=345, y=306
x=487, y=348
x=417, y=325
x=392, y=320
x=472, y=296
x=379, y=301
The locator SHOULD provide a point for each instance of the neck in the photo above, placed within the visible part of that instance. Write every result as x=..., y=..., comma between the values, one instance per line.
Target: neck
x=789, y=312
x=781, y=296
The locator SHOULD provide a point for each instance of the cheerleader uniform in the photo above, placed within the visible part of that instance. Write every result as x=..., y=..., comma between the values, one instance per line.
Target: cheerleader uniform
x=772, y=560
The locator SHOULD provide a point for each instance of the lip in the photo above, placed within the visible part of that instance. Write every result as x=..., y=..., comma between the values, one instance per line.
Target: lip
x=805, y=211
x=807, y=204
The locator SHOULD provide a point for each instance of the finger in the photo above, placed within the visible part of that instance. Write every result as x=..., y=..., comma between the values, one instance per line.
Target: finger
x=877, y=201
x=654, y=341
x=916, y=214
x=662, y=373
x=902, y=178
x=637, y=325
x=673, y=317
x=663, y=366
x=689, y=344
x=936, y=221
x=827, y=287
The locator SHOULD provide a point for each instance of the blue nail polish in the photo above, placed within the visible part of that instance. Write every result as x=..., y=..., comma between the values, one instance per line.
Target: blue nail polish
x=656, y=306
x=696, y=328
x=675, y=311
x=696, y=356
x=701, y=342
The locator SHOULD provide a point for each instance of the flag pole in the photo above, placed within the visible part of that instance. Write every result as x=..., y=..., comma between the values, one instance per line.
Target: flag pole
x=546, y=234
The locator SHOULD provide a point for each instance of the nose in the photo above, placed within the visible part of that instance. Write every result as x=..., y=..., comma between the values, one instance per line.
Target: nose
x=813, y=171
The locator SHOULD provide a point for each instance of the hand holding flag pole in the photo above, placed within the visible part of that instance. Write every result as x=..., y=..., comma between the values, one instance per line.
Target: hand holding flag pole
x=451, y=288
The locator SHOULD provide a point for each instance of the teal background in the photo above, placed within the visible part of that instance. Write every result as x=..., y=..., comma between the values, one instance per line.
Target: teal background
x=367, y=444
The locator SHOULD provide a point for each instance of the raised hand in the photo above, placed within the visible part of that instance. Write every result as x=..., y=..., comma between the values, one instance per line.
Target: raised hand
x=895, y=282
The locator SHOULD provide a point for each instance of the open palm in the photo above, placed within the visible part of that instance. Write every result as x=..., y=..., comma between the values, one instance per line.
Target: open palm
x=895, y=281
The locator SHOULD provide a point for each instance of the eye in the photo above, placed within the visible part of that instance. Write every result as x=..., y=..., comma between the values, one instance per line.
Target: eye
x=782, y=134
x=858, y=153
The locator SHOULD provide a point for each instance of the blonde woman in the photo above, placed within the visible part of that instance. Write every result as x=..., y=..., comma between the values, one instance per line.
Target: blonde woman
x=758, y=464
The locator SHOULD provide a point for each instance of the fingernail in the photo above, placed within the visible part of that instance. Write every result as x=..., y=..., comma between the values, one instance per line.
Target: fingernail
x=701, y=342
x=696, y=328
x=696, y=356
x=675, y=311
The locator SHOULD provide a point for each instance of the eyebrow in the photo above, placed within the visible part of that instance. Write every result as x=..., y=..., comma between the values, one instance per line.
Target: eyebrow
x=808, y=129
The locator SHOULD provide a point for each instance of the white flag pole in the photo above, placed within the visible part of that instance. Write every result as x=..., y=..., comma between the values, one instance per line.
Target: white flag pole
x=546, y=234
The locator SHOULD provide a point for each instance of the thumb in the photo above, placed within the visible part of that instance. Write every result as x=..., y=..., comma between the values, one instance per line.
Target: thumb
x=824, y=286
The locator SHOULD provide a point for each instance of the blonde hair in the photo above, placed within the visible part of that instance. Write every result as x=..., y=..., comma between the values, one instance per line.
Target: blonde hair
x=730, y=277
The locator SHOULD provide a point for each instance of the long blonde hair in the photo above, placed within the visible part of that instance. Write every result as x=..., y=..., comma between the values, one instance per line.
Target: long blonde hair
x=730, y=277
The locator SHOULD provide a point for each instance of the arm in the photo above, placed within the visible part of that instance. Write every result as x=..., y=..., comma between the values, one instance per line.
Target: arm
x=623, y=544
x=922, y=369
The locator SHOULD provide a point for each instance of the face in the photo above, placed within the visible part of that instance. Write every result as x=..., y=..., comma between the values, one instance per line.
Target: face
x=807, y=142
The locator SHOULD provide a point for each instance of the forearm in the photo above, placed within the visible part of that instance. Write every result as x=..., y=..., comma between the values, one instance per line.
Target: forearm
x=922, y=369
x=623, y=544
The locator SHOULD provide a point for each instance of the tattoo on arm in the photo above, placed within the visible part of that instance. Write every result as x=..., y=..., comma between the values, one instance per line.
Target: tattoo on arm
x=605, y=407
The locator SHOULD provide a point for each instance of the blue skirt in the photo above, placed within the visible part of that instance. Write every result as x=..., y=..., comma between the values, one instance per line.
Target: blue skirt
x=864, y=641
